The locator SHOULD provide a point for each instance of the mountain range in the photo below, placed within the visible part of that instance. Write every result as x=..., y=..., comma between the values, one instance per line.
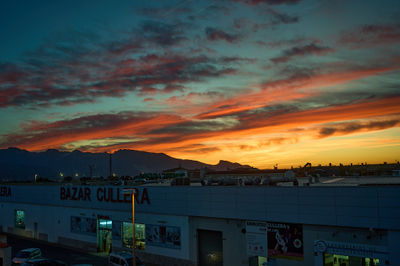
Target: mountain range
x=18, y=165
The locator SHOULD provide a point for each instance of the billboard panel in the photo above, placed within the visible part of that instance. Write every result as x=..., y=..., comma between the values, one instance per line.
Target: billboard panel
x=285, y=240
x=256, y=236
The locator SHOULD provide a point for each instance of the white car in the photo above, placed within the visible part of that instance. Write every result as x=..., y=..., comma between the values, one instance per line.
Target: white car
x=27, y=254
x=123, y=259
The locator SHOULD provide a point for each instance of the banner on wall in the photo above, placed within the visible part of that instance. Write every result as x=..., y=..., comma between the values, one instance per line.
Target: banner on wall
x=83, y=225
x=256, y=236
x=285, y=240
x=163, y=236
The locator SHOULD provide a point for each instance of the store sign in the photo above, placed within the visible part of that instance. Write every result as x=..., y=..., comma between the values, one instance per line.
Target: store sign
x=285, y=240
x=103, y=194
x=256, y=236
x=350, y=249
x=5, y=191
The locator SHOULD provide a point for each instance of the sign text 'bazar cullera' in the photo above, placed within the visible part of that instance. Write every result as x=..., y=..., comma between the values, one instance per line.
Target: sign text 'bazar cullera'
x=107, y=194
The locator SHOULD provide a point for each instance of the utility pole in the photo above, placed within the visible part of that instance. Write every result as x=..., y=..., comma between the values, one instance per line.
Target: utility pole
x=110, y=165
x=133, y=223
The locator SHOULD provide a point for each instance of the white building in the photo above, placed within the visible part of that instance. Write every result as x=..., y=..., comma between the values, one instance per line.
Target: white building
x=215, y=225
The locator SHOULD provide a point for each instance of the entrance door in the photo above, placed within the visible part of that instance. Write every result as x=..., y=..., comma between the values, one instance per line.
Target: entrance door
x=35, y=230
x=210, y=248
x=104, y=235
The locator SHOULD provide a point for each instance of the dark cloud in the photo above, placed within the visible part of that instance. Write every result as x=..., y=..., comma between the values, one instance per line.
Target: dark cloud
x=347, y=128
x=163, y=34
x=162, y=12
x=88, y=77
x=195, y=149
x=310, y=49
x=290, y=42
x=35, y=132
x=371, y=35
x=268, y=2
x=213, y=34
x=279, y=17
x=190, y=127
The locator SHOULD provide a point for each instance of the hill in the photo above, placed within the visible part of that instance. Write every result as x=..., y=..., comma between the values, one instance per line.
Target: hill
x=17, y=164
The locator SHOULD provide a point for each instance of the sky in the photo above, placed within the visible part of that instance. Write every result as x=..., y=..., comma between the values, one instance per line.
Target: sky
x=259, y=82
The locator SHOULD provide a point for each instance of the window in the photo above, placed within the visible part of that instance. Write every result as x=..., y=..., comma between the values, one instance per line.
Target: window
x=20, y=219
x=140, y=236
x=83, y=225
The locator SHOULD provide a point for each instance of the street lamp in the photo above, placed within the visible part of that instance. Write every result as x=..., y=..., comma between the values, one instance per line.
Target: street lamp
x=130, y=190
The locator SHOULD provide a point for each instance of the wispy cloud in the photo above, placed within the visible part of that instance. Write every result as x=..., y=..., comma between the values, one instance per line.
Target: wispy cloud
x=371, y=35
x=268, y=2
x=351, y=127
x=214, y=34
x=300, y=51
x=280, y=17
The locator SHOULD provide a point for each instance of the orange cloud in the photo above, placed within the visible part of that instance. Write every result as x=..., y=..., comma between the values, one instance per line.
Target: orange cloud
x=285, y=90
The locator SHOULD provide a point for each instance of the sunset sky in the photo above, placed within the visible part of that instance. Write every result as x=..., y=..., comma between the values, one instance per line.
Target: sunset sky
x=259, y=82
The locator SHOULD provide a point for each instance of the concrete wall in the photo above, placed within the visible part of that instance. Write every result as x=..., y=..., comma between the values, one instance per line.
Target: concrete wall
x=56, y=223
x=341, y=214
x=376, y=207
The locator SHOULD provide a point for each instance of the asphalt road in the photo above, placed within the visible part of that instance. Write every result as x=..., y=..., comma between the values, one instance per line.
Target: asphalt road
x=68, y=255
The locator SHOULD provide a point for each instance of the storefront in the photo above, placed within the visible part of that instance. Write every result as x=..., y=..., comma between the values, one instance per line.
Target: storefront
x=328, y=253
x=209, y=226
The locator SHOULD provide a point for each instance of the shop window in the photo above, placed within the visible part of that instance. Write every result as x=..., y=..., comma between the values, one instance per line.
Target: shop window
x=140, y=236
x=341, y=260
x=83, y=225
x=20, y=219
x=163, y=236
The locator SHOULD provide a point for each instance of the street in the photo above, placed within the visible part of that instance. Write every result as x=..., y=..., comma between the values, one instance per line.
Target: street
x=67, y=255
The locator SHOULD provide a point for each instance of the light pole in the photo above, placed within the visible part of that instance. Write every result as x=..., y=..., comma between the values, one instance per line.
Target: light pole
x=133, y=224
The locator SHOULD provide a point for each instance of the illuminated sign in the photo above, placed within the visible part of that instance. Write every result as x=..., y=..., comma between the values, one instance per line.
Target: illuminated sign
x=5, y=191
x=285, y=240
x=103, y=194
x=350, y=249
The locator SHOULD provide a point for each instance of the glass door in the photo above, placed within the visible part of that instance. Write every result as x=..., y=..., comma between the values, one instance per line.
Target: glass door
x=104, y=236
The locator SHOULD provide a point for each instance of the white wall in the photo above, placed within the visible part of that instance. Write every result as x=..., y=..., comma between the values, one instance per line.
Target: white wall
x=56, y=222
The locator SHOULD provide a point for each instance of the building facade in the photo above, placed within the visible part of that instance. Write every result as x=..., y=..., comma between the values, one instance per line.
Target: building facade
x=214, y=225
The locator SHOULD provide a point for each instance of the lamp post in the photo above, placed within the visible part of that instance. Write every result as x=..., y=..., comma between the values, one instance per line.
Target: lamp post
x=133, y=224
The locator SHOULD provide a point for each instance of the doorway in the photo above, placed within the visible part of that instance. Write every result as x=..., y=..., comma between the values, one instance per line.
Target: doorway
x=210, y=248
x=35, y=230
x=104, y=236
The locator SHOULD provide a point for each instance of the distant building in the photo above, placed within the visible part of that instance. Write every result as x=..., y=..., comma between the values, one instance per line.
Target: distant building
x=175, y=172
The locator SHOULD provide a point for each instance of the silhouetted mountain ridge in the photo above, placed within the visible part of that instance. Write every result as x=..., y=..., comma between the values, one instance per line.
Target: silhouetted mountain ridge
x=17, y=164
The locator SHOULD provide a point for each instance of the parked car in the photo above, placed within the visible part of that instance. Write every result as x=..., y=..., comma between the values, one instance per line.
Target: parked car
x=44, y=262
x=123, y=259
x=27, y=254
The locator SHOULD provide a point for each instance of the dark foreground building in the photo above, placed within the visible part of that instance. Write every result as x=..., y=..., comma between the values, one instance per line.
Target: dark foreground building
x=215, y=225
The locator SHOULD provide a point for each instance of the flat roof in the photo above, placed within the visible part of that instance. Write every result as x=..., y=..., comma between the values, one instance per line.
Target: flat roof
x=303, y=181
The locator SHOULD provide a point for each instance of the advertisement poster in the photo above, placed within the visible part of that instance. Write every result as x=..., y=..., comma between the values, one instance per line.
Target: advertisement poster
x=163, y=236
x=256, y=236
x=83, y=225
x=285, y=240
